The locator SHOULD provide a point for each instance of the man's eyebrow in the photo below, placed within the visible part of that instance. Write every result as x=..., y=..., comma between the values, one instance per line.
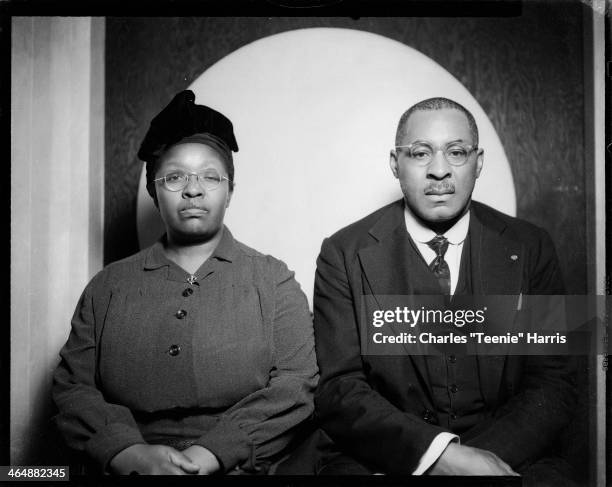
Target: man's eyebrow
x=418, y=141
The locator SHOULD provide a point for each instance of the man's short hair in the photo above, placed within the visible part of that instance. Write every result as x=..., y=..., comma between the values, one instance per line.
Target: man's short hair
x=438, y=103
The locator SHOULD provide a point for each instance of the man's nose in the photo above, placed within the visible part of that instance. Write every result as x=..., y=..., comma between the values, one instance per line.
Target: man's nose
x=438, y=168
x=193, y=187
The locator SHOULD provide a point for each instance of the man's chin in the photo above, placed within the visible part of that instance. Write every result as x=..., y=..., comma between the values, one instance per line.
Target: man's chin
x=444, y=212
x=440, y=219
x=440, y=215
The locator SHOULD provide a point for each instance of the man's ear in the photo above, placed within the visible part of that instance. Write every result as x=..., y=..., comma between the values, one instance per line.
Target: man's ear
x=479, y=161
x=229, y=198
x=393, y=163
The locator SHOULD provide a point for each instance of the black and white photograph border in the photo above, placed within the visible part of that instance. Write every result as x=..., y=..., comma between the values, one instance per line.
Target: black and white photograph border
x=314, y=127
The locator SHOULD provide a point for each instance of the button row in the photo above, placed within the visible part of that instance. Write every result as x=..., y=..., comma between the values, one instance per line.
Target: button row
x=430, y=417
x=174, y=350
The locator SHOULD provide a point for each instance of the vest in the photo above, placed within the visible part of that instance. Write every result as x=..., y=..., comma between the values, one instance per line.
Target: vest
x=454, y=378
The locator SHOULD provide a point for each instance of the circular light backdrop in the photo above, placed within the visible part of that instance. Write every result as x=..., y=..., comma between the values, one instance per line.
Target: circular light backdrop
x=315, y=113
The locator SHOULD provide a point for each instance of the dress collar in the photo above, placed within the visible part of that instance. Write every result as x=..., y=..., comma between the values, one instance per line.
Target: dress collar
x=156, y=258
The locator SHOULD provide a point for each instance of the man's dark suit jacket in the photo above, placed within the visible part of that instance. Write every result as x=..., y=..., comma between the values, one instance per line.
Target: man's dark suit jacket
x=378, y=409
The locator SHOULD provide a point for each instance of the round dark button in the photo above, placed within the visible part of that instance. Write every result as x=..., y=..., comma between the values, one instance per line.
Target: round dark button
x=174, y=350
x=454, y=388
x=452, y=359
x=180, y=314
x=187, y=292
x=453, y=416
x=427, y=415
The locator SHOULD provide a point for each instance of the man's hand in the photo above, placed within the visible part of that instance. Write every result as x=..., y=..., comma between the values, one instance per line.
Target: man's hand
x=152, y=460
x=204, y=458
x=465, y=460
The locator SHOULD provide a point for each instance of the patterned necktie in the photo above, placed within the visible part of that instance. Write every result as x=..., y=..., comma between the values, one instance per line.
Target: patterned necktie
x=438, y=266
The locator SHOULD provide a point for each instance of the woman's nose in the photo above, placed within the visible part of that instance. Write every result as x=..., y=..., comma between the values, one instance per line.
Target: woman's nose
x=193, y=187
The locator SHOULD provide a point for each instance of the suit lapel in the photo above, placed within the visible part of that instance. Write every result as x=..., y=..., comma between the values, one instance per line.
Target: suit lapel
x=497, y=268
x=385, y=271
x=382, y=264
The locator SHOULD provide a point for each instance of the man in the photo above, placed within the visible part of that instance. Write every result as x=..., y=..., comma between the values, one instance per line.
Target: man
x=446, y=414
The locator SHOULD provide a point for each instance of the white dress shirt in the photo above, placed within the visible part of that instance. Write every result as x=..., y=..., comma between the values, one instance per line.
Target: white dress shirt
x=455, y=235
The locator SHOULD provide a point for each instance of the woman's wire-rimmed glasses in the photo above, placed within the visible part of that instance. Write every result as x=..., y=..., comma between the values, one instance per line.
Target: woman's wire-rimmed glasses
x=209, y=179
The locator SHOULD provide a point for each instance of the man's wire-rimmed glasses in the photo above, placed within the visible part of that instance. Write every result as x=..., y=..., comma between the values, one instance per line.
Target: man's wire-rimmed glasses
x=422, y=153
x=209, y=179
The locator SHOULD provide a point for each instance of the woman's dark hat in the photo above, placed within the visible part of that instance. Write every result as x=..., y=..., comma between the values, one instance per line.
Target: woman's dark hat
x=183, y=118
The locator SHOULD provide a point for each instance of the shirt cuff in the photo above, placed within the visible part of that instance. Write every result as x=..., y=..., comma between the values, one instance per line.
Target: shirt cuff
x=437, y=446
x=105, y=444
x=228, y=442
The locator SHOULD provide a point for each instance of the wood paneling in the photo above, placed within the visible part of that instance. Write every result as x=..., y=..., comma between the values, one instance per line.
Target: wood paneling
x=526, y=72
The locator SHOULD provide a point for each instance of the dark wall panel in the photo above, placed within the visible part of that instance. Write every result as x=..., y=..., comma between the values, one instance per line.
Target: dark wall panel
x=525, y=71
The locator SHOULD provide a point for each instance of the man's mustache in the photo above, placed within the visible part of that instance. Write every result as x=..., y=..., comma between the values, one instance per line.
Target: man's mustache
x=440, y=187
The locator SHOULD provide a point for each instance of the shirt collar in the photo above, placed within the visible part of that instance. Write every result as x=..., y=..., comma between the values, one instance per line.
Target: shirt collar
x=420, y=233
x=156, y=258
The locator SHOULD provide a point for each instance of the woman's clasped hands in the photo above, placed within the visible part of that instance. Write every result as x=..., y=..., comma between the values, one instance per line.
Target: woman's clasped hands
x=164, y=460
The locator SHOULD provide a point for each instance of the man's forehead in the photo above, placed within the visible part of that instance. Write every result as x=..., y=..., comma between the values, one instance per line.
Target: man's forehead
x=445, y=123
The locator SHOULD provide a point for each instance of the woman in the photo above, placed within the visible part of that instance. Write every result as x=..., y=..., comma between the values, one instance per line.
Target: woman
x=195, y=355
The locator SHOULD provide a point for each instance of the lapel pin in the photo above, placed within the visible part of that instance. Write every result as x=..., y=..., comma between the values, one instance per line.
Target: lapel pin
x=514, y=257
